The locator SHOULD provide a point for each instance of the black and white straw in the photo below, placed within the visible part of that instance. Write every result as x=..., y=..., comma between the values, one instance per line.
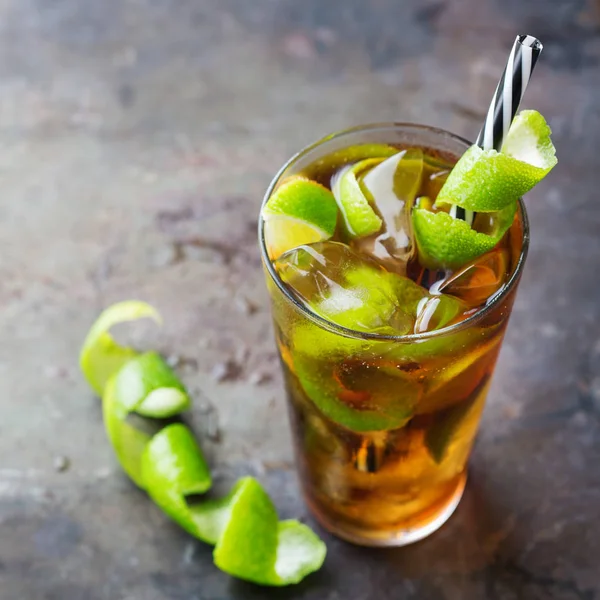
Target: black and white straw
x=505, y=103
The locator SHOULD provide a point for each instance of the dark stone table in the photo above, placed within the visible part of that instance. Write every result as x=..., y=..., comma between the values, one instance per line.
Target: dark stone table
x=136, y=140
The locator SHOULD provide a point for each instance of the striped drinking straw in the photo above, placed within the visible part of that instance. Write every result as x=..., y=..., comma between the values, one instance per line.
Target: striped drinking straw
x=505, y=103
x=502, y=111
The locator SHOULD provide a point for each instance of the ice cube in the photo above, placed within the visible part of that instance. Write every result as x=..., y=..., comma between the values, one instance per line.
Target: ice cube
x=393, y=186
x=435, y=312
x=478, y=281
x=350, y=289
x=354, y=291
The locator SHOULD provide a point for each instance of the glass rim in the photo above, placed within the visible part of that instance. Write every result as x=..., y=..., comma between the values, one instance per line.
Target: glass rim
x=370, y=336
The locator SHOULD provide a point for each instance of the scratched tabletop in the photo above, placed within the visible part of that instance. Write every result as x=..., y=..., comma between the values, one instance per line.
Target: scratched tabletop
x=136, y=140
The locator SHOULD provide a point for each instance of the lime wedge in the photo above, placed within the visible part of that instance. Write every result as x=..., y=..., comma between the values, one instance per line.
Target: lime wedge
x=254, y=546
x=385, y=401
x=359, y=218
x=300, y=211
x=448, y=243
x=173, y=466
x=100, y=355
x=488, y=181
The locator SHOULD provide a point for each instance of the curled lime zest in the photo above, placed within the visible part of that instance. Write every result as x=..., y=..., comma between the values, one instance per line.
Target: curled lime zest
x=129, y=390
x=169, y=465
x=488, y=181
x=101, y=355
x=282, y=553
x=448, y=243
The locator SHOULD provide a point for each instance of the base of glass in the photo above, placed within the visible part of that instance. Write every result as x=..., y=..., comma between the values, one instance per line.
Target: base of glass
x=399, y=537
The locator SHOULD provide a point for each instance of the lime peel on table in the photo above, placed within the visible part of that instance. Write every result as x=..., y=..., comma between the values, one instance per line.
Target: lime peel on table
x=100, y=355
x=275, y=560
x=299, y=211
x=170, y=466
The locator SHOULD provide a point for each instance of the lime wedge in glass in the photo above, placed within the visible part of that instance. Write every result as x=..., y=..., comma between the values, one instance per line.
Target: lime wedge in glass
x=358, y=217
x=300, y=211
x=448, y=243
x=488, y=181
x=386, y=401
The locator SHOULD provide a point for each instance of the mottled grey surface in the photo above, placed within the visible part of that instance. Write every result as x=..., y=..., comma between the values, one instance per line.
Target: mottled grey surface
x=136, y=139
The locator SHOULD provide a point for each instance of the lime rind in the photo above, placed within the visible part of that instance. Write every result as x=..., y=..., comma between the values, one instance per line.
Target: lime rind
x=243, y=536
x=529, y=141
x=100, y=355
x=149, y=387
x=358, y=217
x=448, y=243
x=366, y=302
x=300, y=552
x=212, y=515
x=488, y=181
x=174, y=457
x=250, y=541
x=128, y=442
x=314, y=341
x=283, y=552
x=128, y=391
x=358, y=294
x=173, y=466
